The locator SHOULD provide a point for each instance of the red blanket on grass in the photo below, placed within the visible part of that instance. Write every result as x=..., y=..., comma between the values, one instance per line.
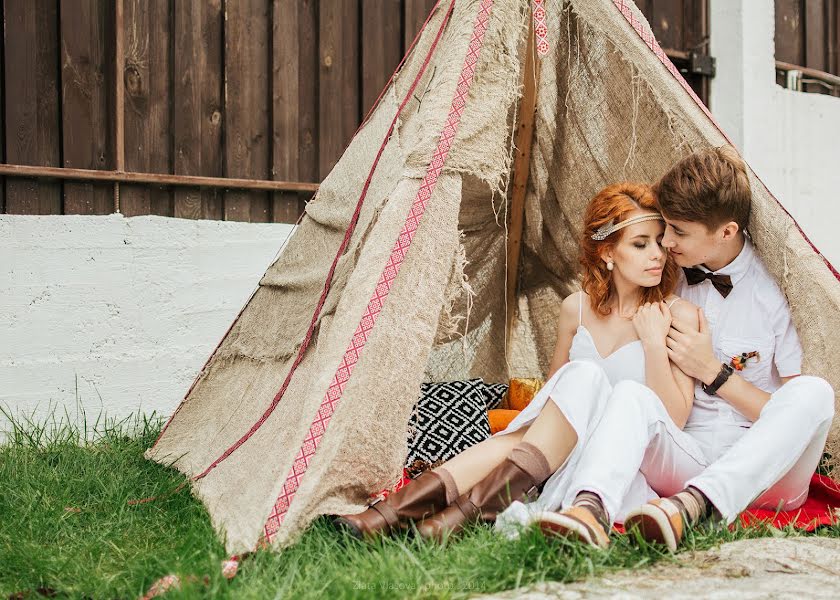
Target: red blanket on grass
x=821, y=508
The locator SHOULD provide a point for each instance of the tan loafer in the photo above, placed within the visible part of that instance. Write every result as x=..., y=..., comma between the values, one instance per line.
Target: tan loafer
x=576, y=523
x=659, y=521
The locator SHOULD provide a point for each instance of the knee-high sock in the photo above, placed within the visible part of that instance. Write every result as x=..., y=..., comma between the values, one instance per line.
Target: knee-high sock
x=593, y=503
x=695, y=506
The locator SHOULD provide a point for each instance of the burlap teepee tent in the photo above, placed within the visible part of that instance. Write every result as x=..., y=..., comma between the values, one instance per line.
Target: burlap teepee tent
x=398, y=272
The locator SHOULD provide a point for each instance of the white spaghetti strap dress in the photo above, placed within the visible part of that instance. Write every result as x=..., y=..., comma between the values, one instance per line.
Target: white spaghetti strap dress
x=581, y=390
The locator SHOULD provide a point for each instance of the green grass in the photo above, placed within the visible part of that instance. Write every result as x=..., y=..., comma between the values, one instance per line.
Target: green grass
x=67, y=526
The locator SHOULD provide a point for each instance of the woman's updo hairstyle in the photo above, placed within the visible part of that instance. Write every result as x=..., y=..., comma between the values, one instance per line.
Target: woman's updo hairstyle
x=616, y=202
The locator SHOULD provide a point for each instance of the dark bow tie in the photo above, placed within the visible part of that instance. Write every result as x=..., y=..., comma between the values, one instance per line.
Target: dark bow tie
x=722, y=283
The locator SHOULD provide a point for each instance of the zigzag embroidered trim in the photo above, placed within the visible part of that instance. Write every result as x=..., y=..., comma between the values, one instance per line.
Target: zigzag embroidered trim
x=362, y=124
x=328, y=284
x=383, y=286
x=540, y=27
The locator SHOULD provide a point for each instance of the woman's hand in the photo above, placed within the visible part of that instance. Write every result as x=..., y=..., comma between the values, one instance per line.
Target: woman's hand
x=652, y=323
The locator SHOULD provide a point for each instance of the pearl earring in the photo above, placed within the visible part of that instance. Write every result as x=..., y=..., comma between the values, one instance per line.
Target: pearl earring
x=609, y=265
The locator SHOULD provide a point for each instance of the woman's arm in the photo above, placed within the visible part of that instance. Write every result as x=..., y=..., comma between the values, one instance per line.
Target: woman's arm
x=568, y=324
x=674, y=388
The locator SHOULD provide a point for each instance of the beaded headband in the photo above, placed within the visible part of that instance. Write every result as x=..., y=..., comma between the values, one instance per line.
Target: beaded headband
x=611, y=227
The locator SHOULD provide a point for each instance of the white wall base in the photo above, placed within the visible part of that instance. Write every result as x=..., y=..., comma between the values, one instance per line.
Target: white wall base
x=114, y=314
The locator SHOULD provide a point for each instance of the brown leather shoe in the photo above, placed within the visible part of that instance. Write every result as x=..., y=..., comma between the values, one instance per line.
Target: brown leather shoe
x=415, y=501
x=489, y=497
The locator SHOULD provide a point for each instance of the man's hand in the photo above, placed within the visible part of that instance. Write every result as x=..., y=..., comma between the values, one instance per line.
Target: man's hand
x=691, y=350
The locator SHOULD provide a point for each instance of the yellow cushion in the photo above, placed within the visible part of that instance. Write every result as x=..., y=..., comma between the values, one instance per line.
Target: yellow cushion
x=521, y=392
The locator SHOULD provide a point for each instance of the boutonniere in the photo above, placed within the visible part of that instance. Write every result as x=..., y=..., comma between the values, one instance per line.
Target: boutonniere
x=739, y=361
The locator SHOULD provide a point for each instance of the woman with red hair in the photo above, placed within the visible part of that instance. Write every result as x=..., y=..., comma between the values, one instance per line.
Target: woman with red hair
x=614, y=329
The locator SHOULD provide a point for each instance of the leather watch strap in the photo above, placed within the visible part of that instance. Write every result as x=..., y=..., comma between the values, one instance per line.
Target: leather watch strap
x=725, y=371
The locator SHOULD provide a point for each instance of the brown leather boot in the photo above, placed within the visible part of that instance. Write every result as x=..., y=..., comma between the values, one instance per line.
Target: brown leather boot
x=489, y=497
x=415, y=501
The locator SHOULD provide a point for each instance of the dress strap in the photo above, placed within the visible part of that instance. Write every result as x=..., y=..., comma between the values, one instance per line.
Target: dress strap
x=674, y=301
x=580, y=308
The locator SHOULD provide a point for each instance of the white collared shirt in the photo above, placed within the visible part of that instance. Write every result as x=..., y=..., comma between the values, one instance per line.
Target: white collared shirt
x=755, y=316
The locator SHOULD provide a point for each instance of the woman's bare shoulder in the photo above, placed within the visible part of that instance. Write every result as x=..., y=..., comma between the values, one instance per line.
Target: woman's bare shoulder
x=683, y=310
x=570, y=307
x=573, y=298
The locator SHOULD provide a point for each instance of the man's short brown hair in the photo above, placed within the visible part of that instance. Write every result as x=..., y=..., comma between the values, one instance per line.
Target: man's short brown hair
x=709, y=186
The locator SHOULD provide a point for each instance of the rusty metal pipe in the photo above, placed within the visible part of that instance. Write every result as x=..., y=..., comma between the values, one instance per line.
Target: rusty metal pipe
x=827, y=78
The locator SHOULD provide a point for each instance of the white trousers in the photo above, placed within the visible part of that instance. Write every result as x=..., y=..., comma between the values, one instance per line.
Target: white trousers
x=767, y=465
x=582, y=392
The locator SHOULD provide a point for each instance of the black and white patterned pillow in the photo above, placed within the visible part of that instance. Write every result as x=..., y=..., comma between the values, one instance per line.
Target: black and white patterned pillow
x=494, y=393
x=449, y=418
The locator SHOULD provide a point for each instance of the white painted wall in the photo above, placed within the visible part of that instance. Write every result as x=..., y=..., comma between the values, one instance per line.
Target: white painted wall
x=791, y=139
x=118, y=314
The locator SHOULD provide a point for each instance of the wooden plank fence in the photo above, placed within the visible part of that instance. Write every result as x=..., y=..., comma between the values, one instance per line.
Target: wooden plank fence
x=807, y=34
x=253, y=89
x=248, y=89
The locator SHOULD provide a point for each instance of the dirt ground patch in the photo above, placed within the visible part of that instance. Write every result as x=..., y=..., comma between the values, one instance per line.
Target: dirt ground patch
x=799, y=567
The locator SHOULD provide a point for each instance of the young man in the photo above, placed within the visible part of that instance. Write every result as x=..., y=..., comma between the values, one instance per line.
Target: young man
x=757, y=428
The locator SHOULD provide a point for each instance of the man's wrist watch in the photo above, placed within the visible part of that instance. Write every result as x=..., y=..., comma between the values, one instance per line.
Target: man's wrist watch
x=725, y=371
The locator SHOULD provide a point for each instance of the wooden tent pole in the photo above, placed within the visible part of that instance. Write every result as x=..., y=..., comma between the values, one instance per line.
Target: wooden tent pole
x=523, y=136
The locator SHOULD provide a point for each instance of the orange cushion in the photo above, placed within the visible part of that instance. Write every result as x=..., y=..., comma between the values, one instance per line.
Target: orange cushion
x=500, y=418
x=521, y=392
